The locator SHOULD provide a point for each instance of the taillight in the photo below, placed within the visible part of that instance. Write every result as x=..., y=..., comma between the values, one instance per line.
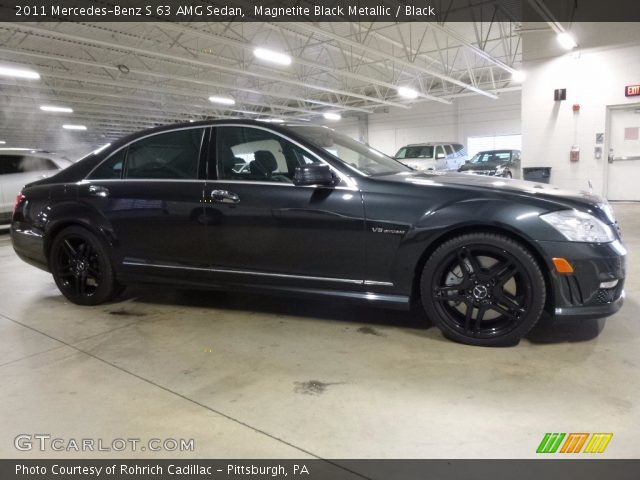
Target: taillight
x=20, y=198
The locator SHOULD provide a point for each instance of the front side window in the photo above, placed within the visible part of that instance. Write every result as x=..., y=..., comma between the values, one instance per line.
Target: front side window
x=253, y=154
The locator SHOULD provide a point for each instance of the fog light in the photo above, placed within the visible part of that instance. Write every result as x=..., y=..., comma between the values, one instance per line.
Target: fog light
x=609, y=284
x=562, y=265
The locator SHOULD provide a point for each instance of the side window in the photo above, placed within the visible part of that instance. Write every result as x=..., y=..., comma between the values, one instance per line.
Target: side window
x=253, y=154
x=111, y=168
x=10, y=164
x=170, y=155
x=449, y=150
x=440, y=152
x=24, y=163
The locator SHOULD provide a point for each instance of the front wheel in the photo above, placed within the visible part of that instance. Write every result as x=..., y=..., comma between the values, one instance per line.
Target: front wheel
x=81, y=267
x=483, y=289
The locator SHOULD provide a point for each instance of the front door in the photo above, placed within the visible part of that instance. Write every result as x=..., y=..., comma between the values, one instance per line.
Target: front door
x=263, y=228
x=624, y=153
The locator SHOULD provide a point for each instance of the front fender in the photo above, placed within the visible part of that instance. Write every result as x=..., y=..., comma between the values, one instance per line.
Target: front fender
x=435, y=227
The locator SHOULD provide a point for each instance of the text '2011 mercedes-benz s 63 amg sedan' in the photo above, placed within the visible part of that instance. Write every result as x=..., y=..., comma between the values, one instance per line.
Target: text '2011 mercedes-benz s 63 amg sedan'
x=301, y=209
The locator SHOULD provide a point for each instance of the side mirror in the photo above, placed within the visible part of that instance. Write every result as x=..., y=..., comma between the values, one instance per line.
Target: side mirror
x=314, y=175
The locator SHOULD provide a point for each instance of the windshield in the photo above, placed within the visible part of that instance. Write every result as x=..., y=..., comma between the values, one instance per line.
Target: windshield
x=363, y=158
x=494, y=156
x=424, y=151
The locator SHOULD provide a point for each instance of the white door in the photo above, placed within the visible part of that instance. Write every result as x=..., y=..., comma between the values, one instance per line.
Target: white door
x=624, y=153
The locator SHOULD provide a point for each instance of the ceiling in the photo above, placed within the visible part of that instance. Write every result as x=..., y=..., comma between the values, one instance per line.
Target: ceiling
x=124, y=77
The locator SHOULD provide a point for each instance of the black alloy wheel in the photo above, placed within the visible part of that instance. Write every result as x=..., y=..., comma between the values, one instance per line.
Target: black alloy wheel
x=483, y=289
x=81, y=267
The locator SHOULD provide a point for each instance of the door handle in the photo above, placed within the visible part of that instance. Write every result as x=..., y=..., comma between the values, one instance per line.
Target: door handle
x=224, y=196
x=98, y=191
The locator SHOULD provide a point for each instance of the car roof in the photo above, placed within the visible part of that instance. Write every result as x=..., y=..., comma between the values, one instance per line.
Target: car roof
x=431, y=144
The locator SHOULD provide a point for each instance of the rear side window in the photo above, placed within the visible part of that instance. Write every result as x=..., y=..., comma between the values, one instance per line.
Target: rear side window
x=459, y=150
x=24, y=163
x=111, y=168
x=171, y=155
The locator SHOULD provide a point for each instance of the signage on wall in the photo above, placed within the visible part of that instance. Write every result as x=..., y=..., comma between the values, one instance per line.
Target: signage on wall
x=632, y=91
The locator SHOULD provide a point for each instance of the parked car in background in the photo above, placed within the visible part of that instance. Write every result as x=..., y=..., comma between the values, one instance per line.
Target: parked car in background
x=19, y=166
x=317, y=213
x=496, y=163
x=433, y=156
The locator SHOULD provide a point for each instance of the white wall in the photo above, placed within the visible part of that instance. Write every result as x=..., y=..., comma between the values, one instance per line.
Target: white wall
x=595, y=76
x=436, y=122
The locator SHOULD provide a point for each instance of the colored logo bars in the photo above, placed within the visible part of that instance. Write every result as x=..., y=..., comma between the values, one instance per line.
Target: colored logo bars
x=573, y=442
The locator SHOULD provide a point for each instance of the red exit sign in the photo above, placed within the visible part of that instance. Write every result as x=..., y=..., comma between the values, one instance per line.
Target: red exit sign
x=632, y=90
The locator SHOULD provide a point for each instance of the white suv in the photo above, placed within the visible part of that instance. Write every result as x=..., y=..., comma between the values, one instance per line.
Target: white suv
x=433, y=156
x=19, y=166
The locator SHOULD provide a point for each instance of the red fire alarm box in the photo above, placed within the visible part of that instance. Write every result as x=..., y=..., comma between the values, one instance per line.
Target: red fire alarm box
x=576, y=108
x=574, y=155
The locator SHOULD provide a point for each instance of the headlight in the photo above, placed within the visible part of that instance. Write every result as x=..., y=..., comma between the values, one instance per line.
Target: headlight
x=608, y=211
x=500, y=170
x=577, y=226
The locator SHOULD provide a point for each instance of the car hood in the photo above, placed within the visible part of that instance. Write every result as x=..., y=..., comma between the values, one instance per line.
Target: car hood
x=563, y=198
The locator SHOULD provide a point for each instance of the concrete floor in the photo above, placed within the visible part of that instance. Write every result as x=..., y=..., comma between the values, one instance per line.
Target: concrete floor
x=254, y=377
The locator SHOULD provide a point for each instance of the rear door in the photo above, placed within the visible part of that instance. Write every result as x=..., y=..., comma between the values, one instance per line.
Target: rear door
x=151, y=193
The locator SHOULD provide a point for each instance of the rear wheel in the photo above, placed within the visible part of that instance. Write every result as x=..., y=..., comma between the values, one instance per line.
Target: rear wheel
x=483, y=289
x=81, y=267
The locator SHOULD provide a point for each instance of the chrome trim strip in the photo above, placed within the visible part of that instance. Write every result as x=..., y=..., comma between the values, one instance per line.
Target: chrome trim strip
x=351, y=183
x=204, y=182
x=376, y=283
x=246, y=272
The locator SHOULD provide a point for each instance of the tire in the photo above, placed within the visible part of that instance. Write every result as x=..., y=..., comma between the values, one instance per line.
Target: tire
x=483, y=289
x=508, y=175
x=81, y=267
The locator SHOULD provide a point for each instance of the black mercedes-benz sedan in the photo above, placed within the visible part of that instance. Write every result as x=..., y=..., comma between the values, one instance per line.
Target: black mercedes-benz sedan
x=304, y=210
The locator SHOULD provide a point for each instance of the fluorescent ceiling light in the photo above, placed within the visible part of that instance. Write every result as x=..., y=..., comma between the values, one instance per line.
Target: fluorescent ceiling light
x=518, y=76
x=271, y=56
x=2, y=142
x=407, y=92
x=74, y=127
x=222, y=100
x=19, y=73
x=332, y=116
x=566, y=41
x=49, y=108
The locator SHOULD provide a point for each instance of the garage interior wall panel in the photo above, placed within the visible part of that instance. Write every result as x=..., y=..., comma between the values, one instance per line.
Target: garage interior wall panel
x=595, y=75
x=435, y=122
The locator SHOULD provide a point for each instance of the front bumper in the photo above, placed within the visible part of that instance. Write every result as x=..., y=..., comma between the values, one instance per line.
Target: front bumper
x=584, y=293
